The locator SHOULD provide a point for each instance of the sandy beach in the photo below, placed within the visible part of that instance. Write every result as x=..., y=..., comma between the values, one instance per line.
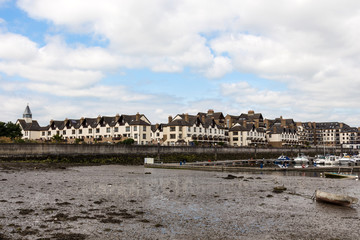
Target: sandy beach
x=133, y=202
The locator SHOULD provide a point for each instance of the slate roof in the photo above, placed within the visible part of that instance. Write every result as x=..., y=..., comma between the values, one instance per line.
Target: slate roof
x=276, y=129
x=249, y=127
x=250, y=117
x=33, y=126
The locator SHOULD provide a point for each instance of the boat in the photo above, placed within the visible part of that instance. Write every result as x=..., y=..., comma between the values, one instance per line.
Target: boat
x=338, y=199
x=282, y=159
x=340, y=175
x=346, y=159
x=326, y=160
x=356, y=158
x=319, y=159
x=301, y=158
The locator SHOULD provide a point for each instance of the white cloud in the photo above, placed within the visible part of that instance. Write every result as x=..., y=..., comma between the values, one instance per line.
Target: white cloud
x=312, y=48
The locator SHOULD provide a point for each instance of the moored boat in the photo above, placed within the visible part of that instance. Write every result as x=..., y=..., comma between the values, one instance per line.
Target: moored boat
x=340, y=175
x=326, y=160
x=346, y=159
x=338, y=199
x=301, y=158
x=282, y=159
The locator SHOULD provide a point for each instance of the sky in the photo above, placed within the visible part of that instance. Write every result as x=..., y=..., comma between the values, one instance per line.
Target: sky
x=298, y=59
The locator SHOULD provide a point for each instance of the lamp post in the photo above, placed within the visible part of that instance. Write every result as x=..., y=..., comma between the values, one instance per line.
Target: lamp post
x=255, y=150
x=215, y=157
x=158, y=150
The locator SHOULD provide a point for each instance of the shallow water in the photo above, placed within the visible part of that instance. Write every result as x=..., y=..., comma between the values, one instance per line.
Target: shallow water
x=171, y=204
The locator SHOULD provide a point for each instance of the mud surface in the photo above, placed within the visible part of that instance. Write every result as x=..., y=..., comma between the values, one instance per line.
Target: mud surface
x=122, y=202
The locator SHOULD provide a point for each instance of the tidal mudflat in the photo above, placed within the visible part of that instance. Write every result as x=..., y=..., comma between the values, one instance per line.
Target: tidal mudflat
x=127, y=202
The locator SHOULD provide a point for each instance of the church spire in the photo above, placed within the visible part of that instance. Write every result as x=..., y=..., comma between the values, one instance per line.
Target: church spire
x=27, y=114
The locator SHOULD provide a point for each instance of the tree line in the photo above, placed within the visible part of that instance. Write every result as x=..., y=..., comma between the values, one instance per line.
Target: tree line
x=10, y=130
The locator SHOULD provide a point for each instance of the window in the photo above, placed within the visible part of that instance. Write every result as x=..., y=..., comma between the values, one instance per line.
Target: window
x=80, y=131
x=90, y=131
x=26, y=133
x=210, y=130
x=172, y=129
x=172, y=136
x=215, y=131
x=189, y=129
x=127, y=129
x=189, y=135
x=158, y=134
x=97, y=130
x=135, y=136
x=58, y=132
x=194, y=129
x=235, y=133
x=116, y=129
x=144, y=136
x=43, y=133
x=108, y=130
x=235, y=139
x=135, y=128
x=73, y=132
x=199, y=129
x=180, y=136
x=144, y=128
x=64, y=132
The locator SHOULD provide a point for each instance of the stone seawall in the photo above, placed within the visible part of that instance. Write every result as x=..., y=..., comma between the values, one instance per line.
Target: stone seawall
x=135, y=154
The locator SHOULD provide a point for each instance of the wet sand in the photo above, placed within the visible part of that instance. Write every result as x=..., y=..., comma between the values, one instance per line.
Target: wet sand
x=127, y=202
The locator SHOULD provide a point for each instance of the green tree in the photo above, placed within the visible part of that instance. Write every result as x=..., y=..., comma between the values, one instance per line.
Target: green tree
x=12, y=130
x=57, y=138
x=2, y=129
x=128, y=141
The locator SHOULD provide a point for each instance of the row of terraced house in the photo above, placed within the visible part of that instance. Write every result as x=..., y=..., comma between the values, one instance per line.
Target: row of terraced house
x=204, y=128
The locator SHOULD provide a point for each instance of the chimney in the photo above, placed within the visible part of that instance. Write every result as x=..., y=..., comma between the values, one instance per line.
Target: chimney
x=251, y=112
x=66, y=121
x=266, y=121
x=82, y=120
x=341, y=125
x=98, y=119
x=298, y=124
x=117, y=117
x=257, y=123
x=51, y=122
x=230, y=123
x=170, y=119
x=137, y=118
x=157, y=126
x=283, y=122
x=203, y=119
x=314, y=124
x=210, y=112
x=186, y=117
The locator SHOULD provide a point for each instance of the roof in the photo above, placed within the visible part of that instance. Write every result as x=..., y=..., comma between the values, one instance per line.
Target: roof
x=27, y=110
x=276, y=129
x=33, y=126
x=249, y=127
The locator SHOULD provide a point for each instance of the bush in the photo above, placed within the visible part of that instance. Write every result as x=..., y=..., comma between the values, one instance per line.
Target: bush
x=128, y=141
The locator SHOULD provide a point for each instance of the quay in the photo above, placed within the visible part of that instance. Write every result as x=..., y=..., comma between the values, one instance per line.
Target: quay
x=251, y=165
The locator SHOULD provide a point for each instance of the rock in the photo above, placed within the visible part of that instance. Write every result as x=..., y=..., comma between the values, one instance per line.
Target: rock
x=230, y=177
x=279, y=189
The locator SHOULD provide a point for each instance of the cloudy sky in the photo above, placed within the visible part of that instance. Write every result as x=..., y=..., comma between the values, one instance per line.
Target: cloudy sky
x=73, y=58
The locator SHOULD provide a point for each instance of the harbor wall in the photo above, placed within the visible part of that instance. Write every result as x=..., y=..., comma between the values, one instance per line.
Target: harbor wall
x=135, y=154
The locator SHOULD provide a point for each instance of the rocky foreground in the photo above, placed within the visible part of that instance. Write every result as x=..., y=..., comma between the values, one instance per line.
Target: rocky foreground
x=123, y=202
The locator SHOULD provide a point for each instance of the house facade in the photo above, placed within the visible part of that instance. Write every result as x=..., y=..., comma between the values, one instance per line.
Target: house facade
x=185, y=129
